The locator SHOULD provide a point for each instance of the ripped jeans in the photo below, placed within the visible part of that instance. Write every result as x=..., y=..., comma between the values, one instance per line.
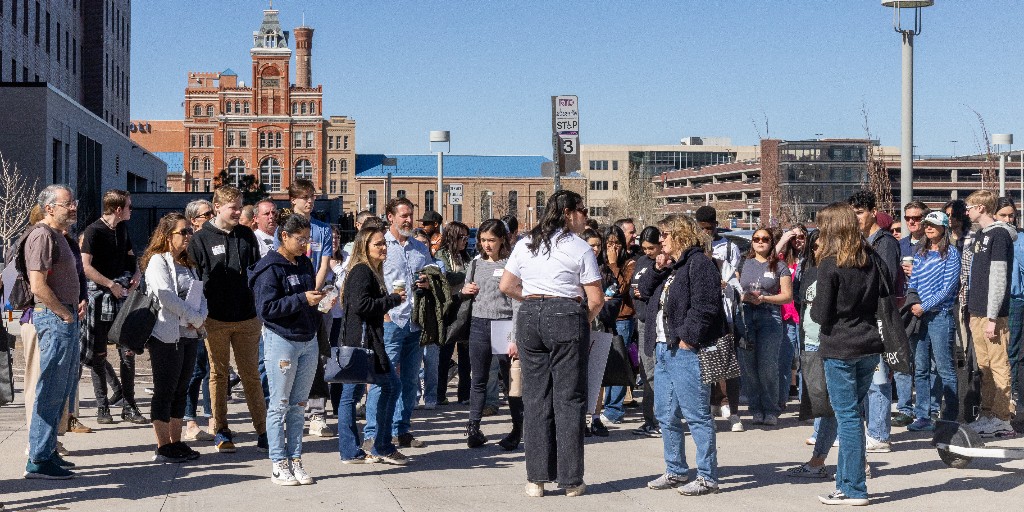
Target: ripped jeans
x=291, y=366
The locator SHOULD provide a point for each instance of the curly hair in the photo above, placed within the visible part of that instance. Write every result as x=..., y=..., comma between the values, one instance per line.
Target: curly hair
x=685, y=233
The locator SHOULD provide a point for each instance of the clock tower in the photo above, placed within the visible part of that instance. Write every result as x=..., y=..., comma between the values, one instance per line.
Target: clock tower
x=270, y=59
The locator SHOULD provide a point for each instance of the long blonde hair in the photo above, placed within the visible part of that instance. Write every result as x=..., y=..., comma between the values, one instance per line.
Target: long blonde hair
x=839, y=236
x=361, y=256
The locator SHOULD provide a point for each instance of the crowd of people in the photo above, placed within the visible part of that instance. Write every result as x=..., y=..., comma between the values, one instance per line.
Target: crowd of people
x=252, y=295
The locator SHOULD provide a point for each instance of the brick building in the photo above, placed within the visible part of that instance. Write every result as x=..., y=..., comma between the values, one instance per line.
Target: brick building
x=272, y=129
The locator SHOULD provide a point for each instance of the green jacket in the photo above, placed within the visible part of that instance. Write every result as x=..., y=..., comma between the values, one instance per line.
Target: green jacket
x=431, y=304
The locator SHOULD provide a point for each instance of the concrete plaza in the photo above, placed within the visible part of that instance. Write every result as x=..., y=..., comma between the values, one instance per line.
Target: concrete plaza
x=116, y=472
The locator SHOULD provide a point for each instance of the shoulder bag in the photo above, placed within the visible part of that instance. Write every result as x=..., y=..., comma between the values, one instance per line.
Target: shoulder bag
x=717, y=360
x=898, y=355
x=133, y=325
x=350, y=365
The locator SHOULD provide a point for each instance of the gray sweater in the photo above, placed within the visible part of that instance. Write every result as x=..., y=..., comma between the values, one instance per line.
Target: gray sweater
x=490, y=302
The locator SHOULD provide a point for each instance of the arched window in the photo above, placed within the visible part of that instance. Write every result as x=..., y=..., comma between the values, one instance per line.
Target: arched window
x=540, y=205
x=485, y=204
x=344, y=166
x=206, y=164
x=195, y=165
x=269, y=40
x=295, y=108
x=400, y=193
x=303, y=109
x=277, y=140
x=197, y=111
x=238, y=107
x=312, y=108
x=270, y=174
x=236, y=169
x=227, y=107
x=246, y=107
x=513, y=203
x=209, y=111
x=333, y=166
x=303, y=170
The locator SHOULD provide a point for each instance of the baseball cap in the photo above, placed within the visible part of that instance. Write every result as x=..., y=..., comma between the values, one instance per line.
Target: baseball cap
x=937, y=218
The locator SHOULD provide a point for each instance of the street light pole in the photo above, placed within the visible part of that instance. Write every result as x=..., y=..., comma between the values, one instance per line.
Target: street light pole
x=1002, y=139
x=445, y=137
x=907, y=89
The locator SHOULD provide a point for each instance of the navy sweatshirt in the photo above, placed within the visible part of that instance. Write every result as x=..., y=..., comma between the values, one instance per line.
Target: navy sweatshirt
x=280, y=288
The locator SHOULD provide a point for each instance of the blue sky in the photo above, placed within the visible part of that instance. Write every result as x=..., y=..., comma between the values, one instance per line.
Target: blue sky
x=646, y=72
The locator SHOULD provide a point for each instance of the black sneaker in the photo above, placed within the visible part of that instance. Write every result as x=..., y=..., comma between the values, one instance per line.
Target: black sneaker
x=407, y=440
x=646, y=430
x=103, y=416
x=901, y=420
x=169, y=453
x=598, y=428
x=838, y=498
x=47, y=470
x=186, y=451
x=131, y=414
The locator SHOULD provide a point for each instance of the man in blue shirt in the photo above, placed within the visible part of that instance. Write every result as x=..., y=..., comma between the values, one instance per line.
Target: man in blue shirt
x=406, y=257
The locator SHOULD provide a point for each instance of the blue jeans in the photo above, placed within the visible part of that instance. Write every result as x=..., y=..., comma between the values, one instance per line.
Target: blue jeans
x=59, y=350
x=760, y=366
x=348, y=433
x=262, y=367
x=878, y=406
x=403, y=348
x=787, y=351
x=201, y=382
x=615, y=395
x=848, y=382
x=936, y=344
x=292, y=368
x=680, y=395
x=1013, y=348
x=429, y=372
x=825, y=428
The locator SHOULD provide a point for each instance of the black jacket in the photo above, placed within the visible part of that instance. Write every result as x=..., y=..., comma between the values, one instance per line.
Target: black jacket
x=693, y=309
x=845, y=307
x=365, y=301
x=222, y=262
x=280, y=288
x=645, y=279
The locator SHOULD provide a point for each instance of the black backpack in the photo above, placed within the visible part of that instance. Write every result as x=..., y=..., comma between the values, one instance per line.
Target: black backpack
x=21, y=292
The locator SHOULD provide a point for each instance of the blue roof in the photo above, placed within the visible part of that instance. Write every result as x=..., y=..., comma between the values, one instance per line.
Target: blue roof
x=228, y=72
x=455, y=166
x=175, y=161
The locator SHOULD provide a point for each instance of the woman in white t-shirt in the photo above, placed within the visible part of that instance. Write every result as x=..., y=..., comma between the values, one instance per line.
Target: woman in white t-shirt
x=553, y=271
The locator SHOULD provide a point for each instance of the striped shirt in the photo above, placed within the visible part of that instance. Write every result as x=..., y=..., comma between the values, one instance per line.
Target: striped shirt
x=936, y=280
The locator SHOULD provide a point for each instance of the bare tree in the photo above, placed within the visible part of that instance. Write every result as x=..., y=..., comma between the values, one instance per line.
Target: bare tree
x=878, y=175
x=17, y=196
x=640, y=202
x=988, y=172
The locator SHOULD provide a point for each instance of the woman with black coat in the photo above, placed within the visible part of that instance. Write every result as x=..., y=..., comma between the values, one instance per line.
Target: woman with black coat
x=646, y=277
x=365, y=301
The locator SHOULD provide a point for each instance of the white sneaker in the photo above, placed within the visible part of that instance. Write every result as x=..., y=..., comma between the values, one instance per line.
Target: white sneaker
x=281, y=474
x=725, y=411
x=872, y=445
x=318, y=427
x=300, y=474
x=736, y=423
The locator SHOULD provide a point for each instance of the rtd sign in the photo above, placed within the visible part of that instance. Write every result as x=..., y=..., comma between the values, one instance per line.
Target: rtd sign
x=567, y=115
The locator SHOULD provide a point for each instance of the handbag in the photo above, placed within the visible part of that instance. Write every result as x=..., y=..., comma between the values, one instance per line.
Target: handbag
x=350, y=365
x=812, y=366
x=618, y=371
x=134, y=322
x=515, y=378
x=898, y=354
x=457, y=318
x=718, y=361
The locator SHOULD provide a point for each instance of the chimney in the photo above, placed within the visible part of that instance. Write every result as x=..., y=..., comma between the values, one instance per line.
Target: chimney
x=303, y=46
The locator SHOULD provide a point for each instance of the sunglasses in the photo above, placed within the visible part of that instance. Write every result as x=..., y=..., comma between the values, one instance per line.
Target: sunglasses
x=206, y=215
x=913, y=218
x=582, y=210
x=761, y=239
x=183, y=232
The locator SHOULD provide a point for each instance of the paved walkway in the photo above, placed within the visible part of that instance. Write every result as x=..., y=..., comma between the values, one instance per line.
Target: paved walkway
x=116, y=473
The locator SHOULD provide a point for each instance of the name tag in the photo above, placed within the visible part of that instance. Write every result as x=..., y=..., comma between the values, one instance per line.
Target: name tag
x=498, y=272
x=769, y=275
x=218, y=250
x=293, y=280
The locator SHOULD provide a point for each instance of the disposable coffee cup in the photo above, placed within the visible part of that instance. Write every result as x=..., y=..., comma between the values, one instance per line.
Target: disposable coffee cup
x=398, y=285
x=908, y=260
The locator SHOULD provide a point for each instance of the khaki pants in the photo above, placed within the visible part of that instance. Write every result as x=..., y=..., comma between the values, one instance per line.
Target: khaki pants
x=30, y=346
x=242, y=339
x=995, y=367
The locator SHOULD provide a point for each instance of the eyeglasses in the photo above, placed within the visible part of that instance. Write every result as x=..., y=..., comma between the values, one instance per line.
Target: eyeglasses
x=302, y=240
x=582, y=210
x=761, y=239
x=184, y=232
x=913, y=218
x=70, y=205
x=206, y=215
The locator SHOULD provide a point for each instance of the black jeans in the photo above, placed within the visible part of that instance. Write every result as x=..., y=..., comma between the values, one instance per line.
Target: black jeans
x=554, y=341
x=647, y=373
x=444, y=361
x=172, y=370
x=480, y=359
x=103, y=372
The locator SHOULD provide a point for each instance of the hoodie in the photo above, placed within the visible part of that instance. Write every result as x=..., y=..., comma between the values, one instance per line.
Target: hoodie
x=222, y=258
x=280, y=288
x=988, y=294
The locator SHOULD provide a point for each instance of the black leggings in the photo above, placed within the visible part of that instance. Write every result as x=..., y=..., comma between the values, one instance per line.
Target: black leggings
x=103, y=372
x=172, y=370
